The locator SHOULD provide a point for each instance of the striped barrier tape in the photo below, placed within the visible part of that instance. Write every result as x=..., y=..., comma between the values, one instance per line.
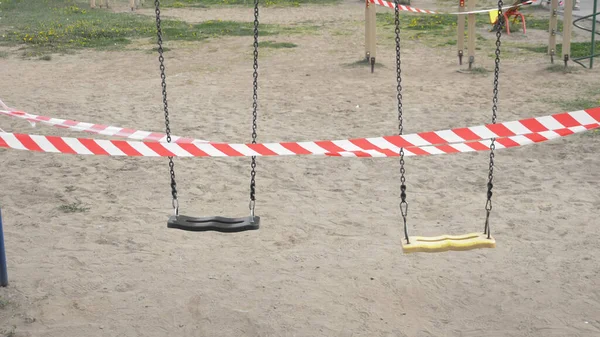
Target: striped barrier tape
x=99, y=129
x=483, y=145
x=450, y=136
x=87, y=146
x=391, y=4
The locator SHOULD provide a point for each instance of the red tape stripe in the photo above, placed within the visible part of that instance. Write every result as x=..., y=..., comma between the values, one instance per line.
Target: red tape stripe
x=29, y=143
x=295, y=148
x=94, y=148
x=126, y=148
x=193, y=150
x=60, y=144
x=566, y=120
x=160, y=149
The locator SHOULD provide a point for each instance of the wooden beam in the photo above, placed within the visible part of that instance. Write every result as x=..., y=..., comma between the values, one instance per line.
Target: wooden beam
x=471, y=32
x=567, y=29
x=460, y=37
x=553, y=30
x=370, y=33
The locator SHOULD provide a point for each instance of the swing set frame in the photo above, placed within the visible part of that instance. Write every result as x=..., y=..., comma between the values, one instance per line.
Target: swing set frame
x=409, y=245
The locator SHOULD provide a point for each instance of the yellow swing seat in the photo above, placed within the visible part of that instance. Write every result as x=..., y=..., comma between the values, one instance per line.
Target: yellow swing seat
x=444, y=243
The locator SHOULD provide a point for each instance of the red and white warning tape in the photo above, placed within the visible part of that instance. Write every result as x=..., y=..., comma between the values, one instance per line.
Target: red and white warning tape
x=86, y=146
x=483, y=145
x=529, y=126
x=401, y=7
x=99, y=129
x=508, y=134
x=391, y=4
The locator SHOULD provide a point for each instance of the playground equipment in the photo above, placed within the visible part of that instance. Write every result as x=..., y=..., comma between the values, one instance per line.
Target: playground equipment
x=470, y=32
x=594, y=17
x=568, y=22
x=370, y=33
x=370, y=25
x=216, y=223
x=133, y=4
x=420, y=244
x=511, y=12
x=479, y=138
x=447, y=242
x=553, y=29
x=567, y=31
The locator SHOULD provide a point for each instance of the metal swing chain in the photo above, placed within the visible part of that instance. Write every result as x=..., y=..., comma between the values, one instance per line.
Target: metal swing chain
x=490, y=185
x=254, y=111
x=403, y=203
x=163, y=77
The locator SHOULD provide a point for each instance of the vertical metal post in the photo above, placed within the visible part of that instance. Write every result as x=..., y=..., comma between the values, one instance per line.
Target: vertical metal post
x=3, y=269
x=595, y=11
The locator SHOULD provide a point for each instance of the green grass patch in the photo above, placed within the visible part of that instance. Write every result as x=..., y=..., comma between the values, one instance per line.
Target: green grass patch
x=580, y=103
x=479, y=70
x=74, y=207
x=531, y=22
x=590, y=99
x=276, y=45
x=434, y=29
x=46, y=26
x=439, y=22
x=411, y=21
x=265, y=3
x=155, y=50
x=440, y=29
x=363, y=63
x=537, y=23
x=475, y=71
x=4, y=303
x=560, y=68
x=578, y=49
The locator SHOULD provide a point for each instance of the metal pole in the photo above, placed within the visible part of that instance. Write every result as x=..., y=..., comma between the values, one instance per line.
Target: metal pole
x=595, y=11
x=3, y=271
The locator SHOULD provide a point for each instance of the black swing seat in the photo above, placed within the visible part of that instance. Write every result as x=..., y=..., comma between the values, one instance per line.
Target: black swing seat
x=213, y=223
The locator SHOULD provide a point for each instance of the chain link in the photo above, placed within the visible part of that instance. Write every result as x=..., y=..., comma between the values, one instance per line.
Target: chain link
x=403, y=203
x=490, y=184
x=163, y=77
x=254, y=111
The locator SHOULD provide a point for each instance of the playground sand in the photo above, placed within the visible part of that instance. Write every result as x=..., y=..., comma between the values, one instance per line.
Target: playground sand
x=89, y=253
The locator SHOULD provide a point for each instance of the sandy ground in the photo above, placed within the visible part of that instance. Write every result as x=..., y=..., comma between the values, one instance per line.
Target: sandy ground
x=327, y=260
